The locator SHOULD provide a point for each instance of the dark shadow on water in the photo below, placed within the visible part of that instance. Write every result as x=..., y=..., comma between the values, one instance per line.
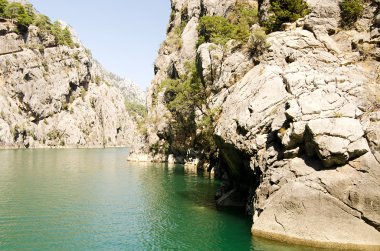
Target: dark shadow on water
x=202, y=194
x=207, y=200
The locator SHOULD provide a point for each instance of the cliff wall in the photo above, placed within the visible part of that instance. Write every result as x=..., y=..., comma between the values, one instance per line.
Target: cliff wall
x=54, y=95
x=293, y=115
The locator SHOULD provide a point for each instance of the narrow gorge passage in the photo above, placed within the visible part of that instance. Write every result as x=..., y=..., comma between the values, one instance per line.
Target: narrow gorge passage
x=257, y=127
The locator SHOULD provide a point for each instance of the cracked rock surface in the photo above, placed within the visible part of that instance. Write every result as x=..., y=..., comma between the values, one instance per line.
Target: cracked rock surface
x=299, y=126
x=56, y=96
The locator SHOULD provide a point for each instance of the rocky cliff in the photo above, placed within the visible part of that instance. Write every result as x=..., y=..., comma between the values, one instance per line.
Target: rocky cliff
x=54, y=94
x=131, y=92
x=294, y=115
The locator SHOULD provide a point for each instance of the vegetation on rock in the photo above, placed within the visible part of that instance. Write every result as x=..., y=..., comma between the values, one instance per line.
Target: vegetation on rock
x=219, y=30
x=285, y=11
x=135, y=109
x=24, y=16
x=3, y=4
x=192, y=122
x=62, y=36
x=215, y=29
x=351, y=10
x=257, y=42
x=183, y=97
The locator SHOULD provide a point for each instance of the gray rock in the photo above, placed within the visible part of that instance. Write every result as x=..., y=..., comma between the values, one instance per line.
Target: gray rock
x=210, y=60
x=337, y=140
x=189, y=38
x=309, y=104
x=303, y=214
x=56, y=96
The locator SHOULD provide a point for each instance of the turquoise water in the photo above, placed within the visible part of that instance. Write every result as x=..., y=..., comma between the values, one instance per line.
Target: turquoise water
x=94, y=200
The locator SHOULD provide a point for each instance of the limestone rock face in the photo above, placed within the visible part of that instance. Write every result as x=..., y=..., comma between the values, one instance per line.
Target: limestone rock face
x=299, y=127
x=56, y=96
x=337, y=140
x=129, y=89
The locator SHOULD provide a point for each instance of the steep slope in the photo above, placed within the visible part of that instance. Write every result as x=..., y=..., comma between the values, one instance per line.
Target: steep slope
x=131, y=92
x=52, y=93
x=290, y=121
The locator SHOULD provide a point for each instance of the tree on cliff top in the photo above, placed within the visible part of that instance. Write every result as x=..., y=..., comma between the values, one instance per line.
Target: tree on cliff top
x=23, y=15
x=3, y=4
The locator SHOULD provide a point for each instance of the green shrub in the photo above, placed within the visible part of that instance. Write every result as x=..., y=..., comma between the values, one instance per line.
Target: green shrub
x=219, y=30
x=42, y=22
x=243, y=13
x=3, y=4
x=243, y=16
x=284, y=11
x=175, y=38
x=158, y=148
x=215, y=29
x=62, y=36
x=185, y=92
x=54, y=134
x=136, y=110
x=98, y=80
x=179, y=29
x=186, y=99
x=257, y=42
x=83, y=93
x=23, y=15
x=351, y=10
x=206, y=127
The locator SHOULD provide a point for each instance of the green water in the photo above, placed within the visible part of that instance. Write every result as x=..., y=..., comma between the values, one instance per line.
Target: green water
x=95, y=200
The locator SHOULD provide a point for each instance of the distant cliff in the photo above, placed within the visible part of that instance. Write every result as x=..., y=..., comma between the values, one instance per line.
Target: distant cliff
x=282, y=99
x=53, y=93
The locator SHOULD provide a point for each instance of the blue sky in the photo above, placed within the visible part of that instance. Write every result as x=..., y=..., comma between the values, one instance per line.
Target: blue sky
x=123, y=35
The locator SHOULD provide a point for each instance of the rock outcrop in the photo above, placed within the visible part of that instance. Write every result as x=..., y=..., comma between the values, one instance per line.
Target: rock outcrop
x=56, y=96
x=298, y=129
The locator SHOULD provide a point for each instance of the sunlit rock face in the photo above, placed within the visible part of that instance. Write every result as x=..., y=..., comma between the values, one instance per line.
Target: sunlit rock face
x=56, y=96
x=298, y=132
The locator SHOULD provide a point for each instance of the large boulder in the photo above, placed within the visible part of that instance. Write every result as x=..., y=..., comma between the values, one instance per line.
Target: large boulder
x=336, y=140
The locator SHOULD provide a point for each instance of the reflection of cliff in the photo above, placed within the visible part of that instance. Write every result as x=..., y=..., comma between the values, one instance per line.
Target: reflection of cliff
x=295, y=125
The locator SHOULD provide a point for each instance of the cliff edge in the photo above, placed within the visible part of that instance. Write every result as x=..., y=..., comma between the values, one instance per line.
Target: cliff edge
x=52, y=92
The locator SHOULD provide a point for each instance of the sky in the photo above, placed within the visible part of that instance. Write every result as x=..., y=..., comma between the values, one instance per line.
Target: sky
x=123, y=35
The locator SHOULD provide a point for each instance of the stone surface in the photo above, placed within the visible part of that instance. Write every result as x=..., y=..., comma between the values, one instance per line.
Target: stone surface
x=313, y=206
x=336, y=140
x=56, y=96
x=298, y=132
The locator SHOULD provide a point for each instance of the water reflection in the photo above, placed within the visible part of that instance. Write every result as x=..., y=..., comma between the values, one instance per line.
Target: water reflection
x=94, y=200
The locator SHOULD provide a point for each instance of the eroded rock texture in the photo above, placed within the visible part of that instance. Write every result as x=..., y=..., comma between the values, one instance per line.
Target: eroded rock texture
x=56, y=96
x=298, y=132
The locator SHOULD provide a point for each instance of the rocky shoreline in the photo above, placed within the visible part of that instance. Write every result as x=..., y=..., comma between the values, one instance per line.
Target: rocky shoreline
x=287, y=114
x=293, y=124
x=314, y=243
x=61, y=147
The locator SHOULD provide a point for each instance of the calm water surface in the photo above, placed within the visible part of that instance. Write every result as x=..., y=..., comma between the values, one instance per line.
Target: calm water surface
x=95, y=200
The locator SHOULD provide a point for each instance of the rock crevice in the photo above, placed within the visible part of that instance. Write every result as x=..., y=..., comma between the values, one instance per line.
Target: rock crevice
x=297, y=128
x=59, y=96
